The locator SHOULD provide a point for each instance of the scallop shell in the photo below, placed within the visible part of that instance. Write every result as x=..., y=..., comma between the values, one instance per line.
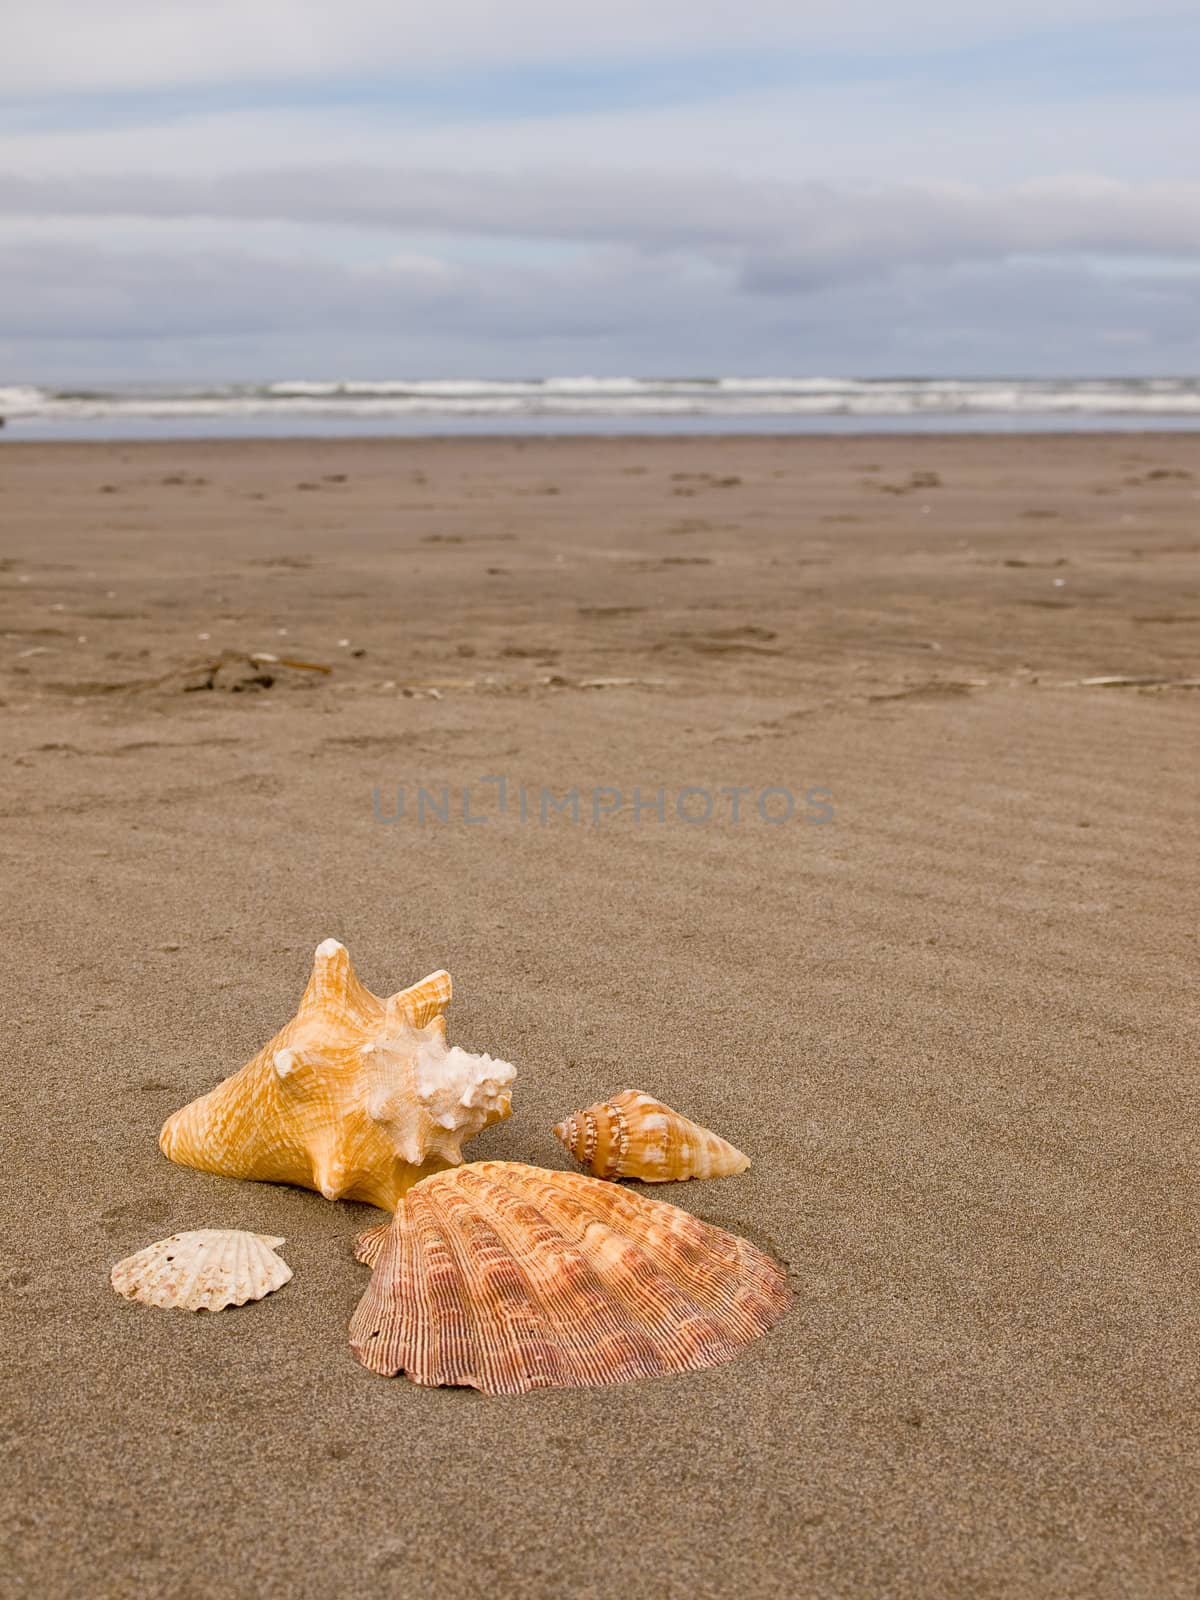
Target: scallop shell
x=356, y=1097
x=205, y=1270
x=635, y=1136
x=508, y=1278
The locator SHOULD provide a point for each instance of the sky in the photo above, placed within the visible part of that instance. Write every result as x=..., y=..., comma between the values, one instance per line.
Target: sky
x=256, y=189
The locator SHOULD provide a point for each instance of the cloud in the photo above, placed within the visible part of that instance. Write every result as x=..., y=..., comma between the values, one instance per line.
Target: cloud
x=73, y=45
x=1109, y=102
x=782, y=238
x=71, y=309
x=844, y=185
x=62, y=288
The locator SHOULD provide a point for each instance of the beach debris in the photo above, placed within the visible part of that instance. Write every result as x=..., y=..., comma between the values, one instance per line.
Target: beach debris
x=357, y=1097
x=508, y=1278
x=622, y=683
x=431, y=689
x=238, y=672
x=303, y=666
x=635, y=1136
x=1144, y=681
x=556, y=680
x=205, y=1270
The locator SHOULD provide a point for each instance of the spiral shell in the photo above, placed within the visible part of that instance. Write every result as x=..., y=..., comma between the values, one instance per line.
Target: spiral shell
x=635, y=1136
x=204, y=1270
x=357, y=1097
x=507, y=1278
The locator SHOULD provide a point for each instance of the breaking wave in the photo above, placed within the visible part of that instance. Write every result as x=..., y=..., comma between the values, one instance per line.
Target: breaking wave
x=734, y=398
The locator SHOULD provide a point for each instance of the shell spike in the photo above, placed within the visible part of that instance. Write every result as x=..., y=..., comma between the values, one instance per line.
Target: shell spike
x=422, y=1003
x=328, y=1169
x=333, y=981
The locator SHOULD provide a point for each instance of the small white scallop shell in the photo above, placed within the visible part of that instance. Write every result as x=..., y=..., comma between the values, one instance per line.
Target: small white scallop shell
x=205, y=1270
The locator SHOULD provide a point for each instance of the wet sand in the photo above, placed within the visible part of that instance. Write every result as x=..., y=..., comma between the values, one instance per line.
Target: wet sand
x=955, y=1027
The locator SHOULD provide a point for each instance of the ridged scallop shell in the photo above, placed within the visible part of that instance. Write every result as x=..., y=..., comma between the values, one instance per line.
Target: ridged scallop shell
x=635, y=1136
x=356, y=1097
x=205, y=1270
x=508, y=1278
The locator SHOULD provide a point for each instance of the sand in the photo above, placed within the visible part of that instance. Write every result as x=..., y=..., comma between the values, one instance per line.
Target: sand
x=955, y=1026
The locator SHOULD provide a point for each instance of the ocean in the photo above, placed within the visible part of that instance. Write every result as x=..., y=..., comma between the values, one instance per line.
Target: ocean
x=596, y=405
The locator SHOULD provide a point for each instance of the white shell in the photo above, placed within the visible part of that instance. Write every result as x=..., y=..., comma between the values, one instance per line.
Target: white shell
x=205, y=1270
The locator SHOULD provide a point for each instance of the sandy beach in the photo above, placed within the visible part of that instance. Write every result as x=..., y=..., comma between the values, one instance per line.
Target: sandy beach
x=954, y=1025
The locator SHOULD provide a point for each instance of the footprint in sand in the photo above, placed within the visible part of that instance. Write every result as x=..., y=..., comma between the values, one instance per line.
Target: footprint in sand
x=116, y=1217
x=391, y=1557
x=749, y=630
x=749, y=640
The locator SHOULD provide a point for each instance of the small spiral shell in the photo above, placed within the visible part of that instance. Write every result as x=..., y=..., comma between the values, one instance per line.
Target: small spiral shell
x=635, y=1136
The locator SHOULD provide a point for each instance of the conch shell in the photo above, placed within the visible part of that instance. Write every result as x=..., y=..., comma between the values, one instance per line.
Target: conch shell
x=205, y=1270
x=358, y=1097
x=635, y=1136
x=507, y=1278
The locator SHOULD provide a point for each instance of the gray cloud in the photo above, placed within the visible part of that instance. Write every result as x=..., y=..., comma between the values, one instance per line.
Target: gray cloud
x=66, y=288
x=783, y=238
x=69, y=45
x=68, y=307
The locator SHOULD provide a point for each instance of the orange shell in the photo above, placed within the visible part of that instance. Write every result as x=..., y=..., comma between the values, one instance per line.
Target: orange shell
x=635, y=1136
x=507, y=1278
x=356, y=1097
